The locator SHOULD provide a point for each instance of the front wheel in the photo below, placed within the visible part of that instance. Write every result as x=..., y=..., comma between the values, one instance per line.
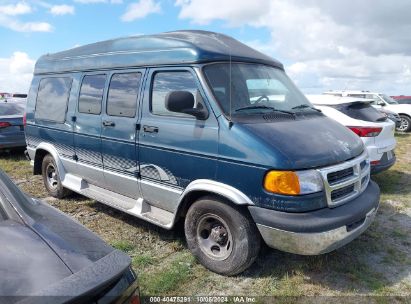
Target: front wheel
x=405, y=124
x=51, y=178
x=223, y=239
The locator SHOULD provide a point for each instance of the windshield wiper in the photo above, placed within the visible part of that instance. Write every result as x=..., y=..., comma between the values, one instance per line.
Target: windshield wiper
x=264, y=107
x=305, y=106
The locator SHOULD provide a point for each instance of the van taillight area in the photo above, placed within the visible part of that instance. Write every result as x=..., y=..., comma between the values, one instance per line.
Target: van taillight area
x=366, y=131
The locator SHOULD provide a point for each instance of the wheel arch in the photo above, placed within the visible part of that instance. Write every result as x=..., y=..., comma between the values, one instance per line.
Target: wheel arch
x=41, y=151
x=405, y=114
x=201, y=188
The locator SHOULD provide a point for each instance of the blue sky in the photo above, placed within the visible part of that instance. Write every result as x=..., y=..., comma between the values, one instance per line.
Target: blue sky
x=323, y=44
x=100, y=21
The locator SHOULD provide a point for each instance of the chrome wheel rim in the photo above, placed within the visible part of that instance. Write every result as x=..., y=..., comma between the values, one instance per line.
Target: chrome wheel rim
x=214, y=237
x=404, y=125
x=51, y=175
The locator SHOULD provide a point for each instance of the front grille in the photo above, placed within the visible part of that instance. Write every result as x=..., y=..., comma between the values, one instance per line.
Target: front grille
x=344, y=182
x=342, y=192
x=338, y=176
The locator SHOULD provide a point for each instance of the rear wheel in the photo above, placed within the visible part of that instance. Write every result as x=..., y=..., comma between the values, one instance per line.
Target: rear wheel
x=51, y=178
x=224, y=239
x=405, y=124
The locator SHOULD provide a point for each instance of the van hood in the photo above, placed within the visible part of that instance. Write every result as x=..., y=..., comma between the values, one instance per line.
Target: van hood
x=399, y=108
x=303, y=143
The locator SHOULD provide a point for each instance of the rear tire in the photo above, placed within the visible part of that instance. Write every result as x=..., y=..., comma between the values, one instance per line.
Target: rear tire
x=405, y=125
x=51, y=178
x=223, y=239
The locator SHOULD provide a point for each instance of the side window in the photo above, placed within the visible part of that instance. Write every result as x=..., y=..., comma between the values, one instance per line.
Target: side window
x=166, y=82
x=52, y=99
x=91, y=94
x=122, y=94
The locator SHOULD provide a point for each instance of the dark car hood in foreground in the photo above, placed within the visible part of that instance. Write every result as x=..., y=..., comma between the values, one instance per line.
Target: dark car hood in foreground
x=299, y=144
x=48, y=253
x=27, y=264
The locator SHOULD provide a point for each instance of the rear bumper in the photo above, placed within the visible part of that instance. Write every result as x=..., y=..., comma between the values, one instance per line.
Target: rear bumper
x=14, y=144
x=384, y=163
x=320, y=231
x=12, y=141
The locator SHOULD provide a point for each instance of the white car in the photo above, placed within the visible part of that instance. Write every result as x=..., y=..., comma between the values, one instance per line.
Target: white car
x=374, y=128
x=382, y=100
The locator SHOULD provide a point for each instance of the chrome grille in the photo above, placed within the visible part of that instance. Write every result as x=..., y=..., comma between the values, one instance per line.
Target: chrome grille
x=342, y=192
x=344, y=182
x=338, y=176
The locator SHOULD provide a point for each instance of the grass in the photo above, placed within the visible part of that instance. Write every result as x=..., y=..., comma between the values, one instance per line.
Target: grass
x=378, y=263
x=169, y=278
x=123, y=245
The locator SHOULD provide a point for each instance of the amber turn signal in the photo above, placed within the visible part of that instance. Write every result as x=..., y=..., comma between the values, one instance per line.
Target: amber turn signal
x=282, y=182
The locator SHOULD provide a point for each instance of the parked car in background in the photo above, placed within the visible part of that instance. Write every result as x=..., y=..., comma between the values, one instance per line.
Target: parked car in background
x=12, y=125
x=205, y=129
x=382, y=100
x=22, y=98
x=19, y=95
x=373, y=127
x=402, y=99
x=394, y=117
x=4, y=96
x=46, y=257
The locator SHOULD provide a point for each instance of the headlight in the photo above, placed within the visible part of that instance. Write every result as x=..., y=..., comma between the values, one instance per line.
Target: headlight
x=293, y=182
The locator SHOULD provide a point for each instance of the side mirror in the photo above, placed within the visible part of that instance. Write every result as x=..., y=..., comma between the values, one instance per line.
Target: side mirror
x=183, y=102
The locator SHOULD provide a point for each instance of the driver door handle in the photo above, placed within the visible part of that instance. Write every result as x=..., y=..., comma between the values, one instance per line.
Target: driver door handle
x=150, y=129
x=107, y=123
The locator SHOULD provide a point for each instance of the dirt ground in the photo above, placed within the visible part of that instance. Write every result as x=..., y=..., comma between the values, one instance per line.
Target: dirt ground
x=378, y=263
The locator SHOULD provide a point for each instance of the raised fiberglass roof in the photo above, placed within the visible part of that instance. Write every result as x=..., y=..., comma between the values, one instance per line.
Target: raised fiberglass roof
x=171, y=48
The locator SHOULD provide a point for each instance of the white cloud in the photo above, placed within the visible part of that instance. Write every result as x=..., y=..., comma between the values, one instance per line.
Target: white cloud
x=62, y=9
x=19, y=26
x=9, y=19
x=16, y=72
x=140, y=10
x=235, y=12
x=329, y=44
x=99, y=1
x=20, y=8
x=90, y=1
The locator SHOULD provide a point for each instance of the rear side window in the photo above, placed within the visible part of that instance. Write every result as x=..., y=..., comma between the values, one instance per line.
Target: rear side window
x=404, y=101
x=361, y=111
x=166, y=82
x=52, y=98
x=91, y=94
x=122, y=94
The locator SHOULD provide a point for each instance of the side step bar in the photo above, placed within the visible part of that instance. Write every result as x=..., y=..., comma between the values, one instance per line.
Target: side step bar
x=139, y=208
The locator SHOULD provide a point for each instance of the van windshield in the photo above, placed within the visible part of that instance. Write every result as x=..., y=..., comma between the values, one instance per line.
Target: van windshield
x=388, y=99
x=254, y=89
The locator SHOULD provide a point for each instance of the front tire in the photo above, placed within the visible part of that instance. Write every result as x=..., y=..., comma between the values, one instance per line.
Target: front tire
x=405, y=125
x=223, y=239
x=51, y=178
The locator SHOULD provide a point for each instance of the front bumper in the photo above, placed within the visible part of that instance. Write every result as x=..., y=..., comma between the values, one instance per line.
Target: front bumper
x=320, y=231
